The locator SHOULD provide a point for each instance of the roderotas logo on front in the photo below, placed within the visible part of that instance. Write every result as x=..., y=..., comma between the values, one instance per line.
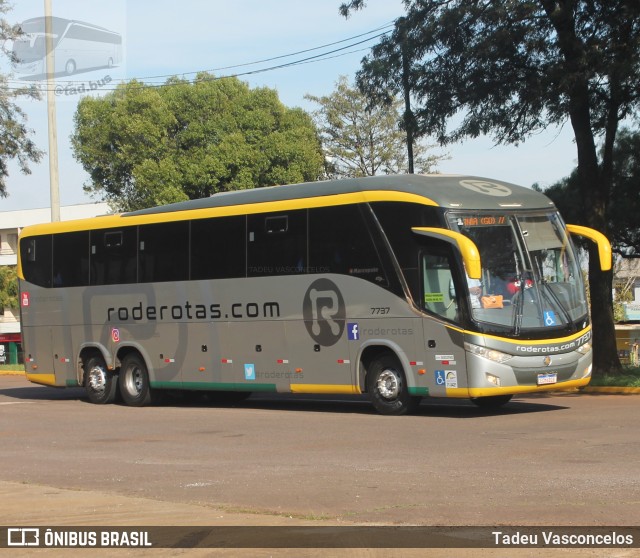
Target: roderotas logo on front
x=324, y=312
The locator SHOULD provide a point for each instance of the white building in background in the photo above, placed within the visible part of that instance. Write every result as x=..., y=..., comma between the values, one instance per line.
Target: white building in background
x=11, y=223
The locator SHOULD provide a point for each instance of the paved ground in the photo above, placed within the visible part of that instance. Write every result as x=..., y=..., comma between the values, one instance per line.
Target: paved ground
x=563, y=459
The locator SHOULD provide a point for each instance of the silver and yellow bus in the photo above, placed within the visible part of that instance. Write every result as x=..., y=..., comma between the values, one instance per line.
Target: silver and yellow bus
x=399, y=287
x=77, y=45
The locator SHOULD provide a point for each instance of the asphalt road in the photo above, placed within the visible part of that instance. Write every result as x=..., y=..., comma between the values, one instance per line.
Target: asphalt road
x=557, y=459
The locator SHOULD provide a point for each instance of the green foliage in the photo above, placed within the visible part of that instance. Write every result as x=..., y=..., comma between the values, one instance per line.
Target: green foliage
x=145, y=146
x=511, y=69
x=624, y=204
x=8, y=287
x=15, y=142
x=364, y=140
x=630, y=377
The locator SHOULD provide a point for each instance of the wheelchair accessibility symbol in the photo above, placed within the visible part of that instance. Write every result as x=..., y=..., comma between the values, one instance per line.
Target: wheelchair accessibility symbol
x=440, y=378
x=549, y=318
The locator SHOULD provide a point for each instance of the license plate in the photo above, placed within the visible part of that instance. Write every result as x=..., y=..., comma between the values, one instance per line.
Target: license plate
x=544, y=379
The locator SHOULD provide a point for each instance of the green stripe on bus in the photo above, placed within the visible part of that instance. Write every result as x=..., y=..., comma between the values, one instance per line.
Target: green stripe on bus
x=72, y=383
x=215, y=386
x=418, y=391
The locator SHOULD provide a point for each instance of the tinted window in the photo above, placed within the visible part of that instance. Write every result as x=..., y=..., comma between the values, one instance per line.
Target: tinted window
x=113, y=256
x=340, y=241
x=277, y=243
x=397, y=219
x=218, y=248
x=71, y=259
x=35, y=256
x=164, y=252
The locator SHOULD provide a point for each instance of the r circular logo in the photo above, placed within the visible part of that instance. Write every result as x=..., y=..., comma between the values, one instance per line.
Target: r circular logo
x=486, y=187
x=324, y=312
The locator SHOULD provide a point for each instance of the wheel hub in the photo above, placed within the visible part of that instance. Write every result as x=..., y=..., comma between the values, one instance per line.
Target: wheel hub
x=388, y=384
x=97, y=379
x=135, y=381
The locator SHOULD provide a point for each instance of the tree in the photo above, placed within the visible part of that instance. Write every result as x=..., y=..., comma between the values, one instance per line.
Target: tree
x=511, y=69
x=623, y=220
x=8, y=288
x=15, y=142
x=364, y=140
x=144, y=146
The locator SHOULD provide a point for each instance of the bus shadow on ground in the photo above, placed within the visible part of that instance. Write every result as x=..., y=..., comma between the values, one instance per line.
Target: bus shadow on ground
x=359, y=404
x=344, y=404
x=36, y=393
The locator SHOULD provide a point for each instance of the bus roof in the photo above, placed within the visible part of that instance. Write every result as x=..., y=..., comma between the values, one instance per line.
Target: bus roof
x=450, y=191
x=59, y=25
x=468, y=193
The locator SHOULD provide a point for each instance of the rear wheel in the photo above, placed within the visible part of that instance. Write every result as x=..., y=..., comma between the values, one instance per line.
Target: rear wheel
x=70, y=67
x=491, y=402
x=134, y=381
x=100, y=382
x=387, y=387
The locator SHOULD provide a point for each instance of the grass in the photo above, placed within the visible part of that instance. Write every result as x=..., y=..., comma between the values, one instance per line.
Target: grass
x=630, y=377
x=11, y=367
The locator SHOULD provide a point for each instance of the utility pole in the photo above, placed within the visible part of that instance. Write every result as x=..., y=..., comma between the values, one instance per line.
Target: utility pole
x=406, y=90
x=54, y=183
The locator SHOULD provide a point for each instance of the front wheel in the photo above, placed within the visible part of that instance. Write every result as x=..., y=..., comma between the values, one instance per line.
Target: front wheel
x=135, y=388
x=387, y=387
x=100, y=383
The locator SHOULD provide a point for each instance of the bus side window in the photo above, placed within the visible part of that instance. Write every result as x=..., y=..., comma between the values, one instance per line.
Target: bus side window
x=35, y=254
x=163, y=253
x=218, y=248
x=439, y=294
x=277, y=243
x=340, y=241
x=113, y=256
x=71, y=259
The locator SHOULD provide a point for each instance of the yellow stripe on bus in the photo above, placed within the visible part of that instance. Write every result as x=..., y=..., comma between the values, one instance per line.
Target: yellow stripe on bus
x=551, y=341
x=44, y=379
x=120, y=220
x=324, y=388
x=465, y=393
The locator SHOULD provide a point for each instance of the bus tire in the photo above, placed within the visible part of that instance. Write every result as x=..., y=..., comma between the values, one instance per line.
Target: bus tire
x=70, y=67
x=491, y=402
x=133, y=381
x=387, y=387
x=100, y=383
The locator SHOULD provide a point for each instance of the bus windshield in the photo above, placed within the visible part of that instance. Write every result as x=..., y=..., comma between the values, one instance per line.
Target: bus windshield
x=531, y=280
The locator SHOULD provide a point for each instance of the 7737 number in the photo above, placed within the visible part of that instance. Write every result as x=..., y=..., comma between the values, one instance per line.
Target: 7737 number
x=380, y=310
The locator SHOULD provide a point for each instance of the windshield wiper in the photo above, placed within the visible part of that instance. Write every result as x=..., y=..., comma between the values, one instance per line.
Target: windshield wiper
x=558, y=302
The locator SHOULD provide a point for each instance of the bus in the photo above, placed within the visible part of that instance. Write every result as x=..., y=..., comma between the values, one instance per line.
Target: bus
x=355, y=286
x=77, y=46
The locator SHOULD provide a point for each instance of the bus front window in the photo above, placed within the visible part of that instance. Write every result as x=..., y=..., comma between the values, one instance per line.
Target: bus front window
x=531, y=281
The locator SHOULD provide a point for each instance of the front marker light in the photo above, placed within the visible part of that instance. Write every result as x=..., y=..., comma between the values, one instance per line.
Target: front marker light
x=584, y=349
x=491, y=354
x=493, y=379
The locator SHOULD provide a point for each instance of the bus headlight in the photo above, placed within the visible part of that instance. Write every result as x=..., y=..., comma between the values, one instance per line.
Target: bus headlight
x=491, y=354
x=584, y=349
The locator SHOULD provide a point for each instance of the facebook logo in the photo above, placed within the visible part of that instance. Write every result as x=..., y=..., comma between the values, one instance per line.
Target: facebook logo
x=353, y=332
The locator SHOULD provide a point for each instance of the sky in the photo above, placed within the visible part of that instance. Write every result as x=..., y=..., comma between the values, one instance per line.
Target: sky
x=163, y=38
